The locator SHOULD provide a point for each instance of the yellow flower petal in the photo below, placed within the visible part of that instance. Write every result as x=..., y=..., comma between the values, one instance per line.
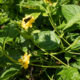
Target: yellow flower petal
x=24, y=60
x=25, y=66
x=20, y=60
x=27, y=22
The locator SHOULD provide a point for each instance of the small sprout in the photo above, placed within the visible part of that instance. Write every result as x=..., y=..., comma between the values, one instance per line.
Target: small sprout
x=27, y=22
x=25, y=60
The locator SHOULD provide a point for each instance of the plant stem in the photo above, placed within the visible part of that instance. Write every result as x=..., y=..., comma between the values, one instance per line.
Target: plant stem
x=59, y=60
x=45, y=66
x=74, y=53
x=6, y=55
x=54, y=26
x=48, y=75
x=10, y=58
x=66, y=41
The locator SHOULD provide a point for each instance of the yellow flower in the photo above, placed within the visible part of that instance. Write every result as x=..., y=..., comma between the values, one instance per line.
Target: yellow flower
x=25, y=60
x=27, y=22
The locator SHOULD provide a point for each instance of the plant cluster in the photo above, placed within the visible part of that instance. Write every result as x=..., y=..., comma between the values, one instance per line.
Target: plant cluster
x=39, y=40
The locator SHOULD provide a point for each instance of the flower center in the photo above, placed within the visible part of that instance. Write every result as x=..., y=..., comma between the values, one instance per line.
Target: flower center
x=26, y=20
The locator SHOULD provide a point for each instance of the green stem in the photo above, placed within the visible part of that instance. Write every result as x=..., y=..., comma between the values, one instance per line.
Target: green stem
x=54, y=26
x=6, y=55
x=73, y=52
x=45, y=66
x=66, y=41
x=55, y=53
x=11, y=59
x=59, y=60
x=48, y=75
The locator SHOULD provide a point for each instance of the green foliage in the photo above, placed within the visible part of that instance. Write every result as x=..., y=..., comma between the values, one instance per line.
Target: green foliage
x=8, y=74
x=3, y=18
x=52, y=38
x=76, y=44
x=69, y=74
x=47, y=40
x=69, y=12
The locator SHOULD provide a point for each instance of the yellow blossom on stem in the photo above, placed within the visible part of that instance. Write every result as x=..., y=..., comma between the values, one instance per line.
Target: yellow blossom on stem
x=27, y=22
x=24, y=60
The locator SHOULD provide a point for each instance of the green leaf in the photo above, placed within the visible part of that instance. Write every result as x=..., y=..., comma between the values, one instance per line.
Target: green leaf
x=72, y=36
x=32, y=5
x=47, y=40
x=35, y=15
x=63, y=1
x=8, y=74
x=3, y=18
x=1, y=1
x=68, y=56
x=77, y=63
x=72, y=14
x=75, y=45
x=8, y=33
x=74, y=20
x=61, y=26
x=69, y=11
x=69, y=74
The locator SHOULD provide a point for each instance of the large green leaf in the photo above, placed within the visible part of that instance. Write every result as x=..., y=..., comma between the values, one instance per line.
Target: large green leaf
x=74, y=20
x=72, y=14
x=47, y=40
x=69, y=11
x=69, y=74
